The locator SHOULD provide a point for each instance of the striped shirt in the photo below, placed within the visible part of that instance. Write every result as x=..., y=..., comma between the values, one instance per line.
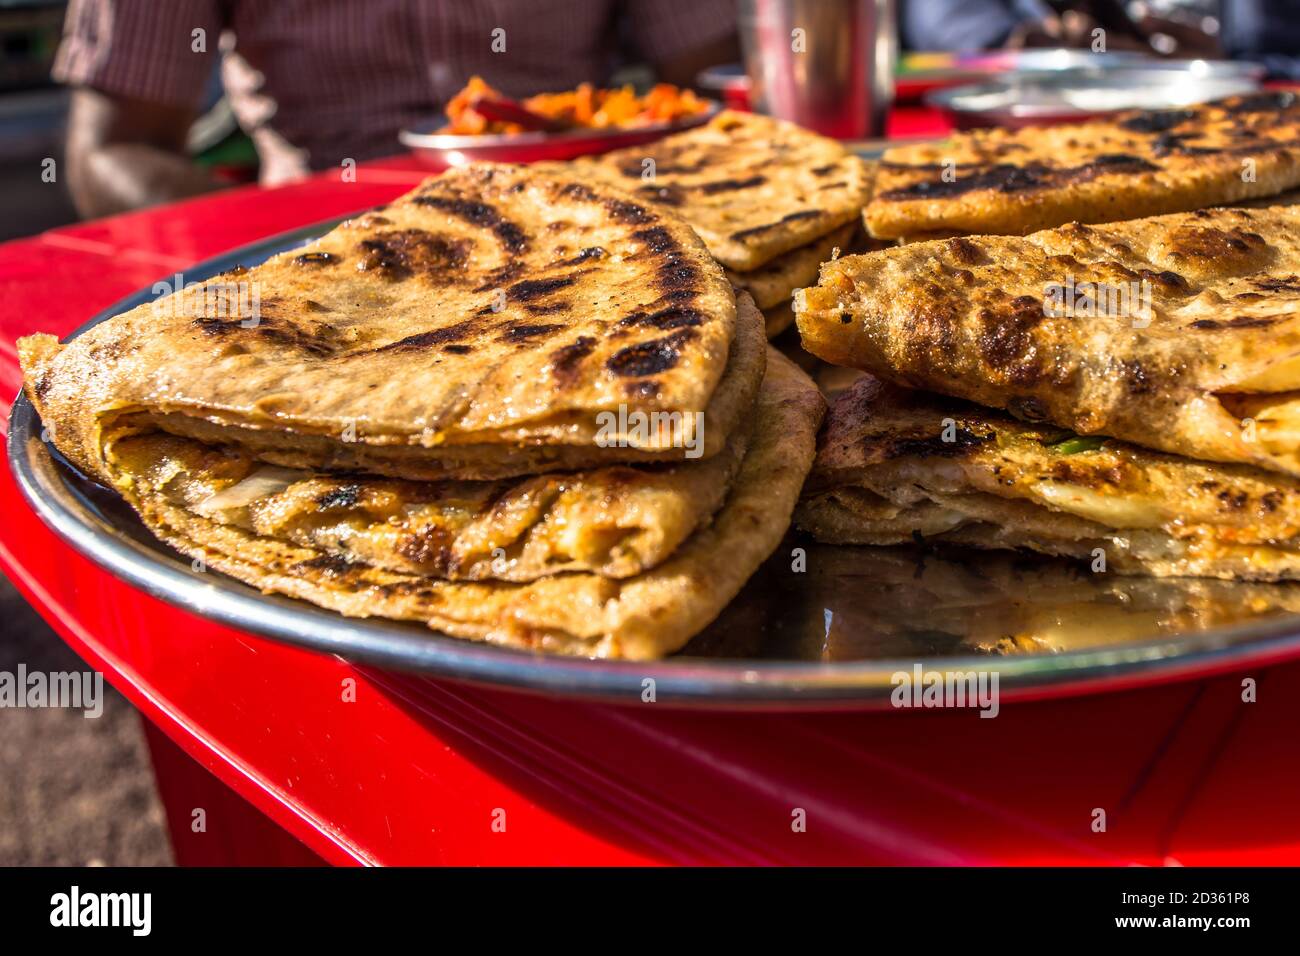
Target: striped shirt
x=318, y=81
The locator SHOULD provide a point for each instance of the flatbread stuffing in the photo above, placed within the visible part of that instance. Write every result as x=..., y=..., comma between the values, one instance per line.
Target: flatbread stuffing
x=615, y=521
x=895, y=465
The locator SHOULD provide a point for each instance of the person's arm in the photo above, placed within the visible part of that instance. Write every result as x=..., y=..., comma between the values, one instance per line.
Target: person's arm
x=126, y=154
x=680, y=38
x=138, y=69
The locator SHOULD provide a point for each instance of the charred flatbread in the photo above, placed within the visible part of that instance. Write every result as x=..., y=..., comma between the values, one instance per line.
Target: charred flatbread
x=1179, y=332
x=642, y=616
x=476, y=328
x=753, y=187
x=1137, y=163
x=896, y=464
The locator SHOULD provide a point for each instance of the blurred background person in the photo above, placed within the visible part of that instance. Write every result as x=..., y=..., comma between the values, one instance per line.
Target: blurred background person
x=1267, y=31
x=314, y=82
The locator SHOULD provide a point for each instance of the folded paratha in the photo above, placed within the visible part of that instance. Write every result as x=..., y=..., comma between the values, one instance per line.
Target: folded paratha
x=645, y=615
x=896, y=464
x=615, y=521
x=753, y=187
x=1178, y=332
x=478, y=327
x=1137, y=163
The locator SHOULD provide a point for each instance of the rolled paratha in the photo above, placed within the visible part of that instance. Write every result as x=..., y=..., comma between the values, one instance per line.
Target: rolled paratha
x=1136, y=163
x=753, y=187
x=484, y=325
x=1178, y=332
x=895, y=465
x=642, y=616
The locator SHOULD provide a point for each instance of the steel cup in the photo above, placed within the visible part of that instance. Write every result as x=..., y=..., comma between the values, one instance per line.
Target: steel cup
x=827, y=65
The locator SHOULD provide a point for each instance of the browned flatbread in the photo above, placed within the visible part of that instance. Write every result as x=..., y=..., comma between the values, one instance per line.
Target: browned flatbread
x=773, y=284
x=753, y=187
x=1134, y=164
x=1212, y=370
x=615, y=521
x=894, y=464
x=643, y=616
x=478, y=327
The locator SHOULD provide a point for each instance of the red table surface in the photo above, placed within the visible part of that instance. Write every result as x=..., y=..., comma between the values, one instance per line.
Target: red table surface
x=416, y=771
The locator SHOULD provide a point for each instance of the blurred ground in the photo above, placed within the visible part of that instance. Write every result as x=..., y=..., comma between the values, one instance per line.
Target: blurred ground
x=73, y=791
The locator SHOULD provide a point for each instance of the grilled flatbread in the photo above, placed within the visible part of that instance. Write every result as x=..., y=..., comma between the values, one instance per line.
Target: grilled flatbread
x=1188, y=340
x=615, y=521
x=1134, y=164
x=475, y=328
x=773, y=284
x=894, y=464
x=643, y=616
x=751, y=186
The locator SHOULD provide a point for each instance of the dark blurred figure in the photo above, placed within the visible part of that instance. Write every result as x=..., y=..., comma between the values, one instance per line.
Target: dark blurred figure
x=315, y=82
x=1267, y=31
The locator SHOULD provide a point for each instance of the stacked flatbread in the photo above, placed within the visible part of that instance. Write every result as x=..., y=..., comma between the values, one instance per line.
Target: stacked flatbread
x=771, y=200
x=520, y=409
x=1138, y=163
x=1126, y=393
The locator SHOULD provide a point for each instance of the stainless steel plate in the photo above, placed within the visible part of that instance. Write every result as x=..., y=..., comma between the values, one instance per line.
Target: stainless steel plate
x=833, y=634
x=1039, y=97
x=444, y=150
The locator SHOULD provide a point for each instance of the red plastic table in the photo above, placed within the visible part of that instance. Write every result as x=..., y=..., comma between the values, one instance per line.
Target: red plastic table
x=259, y=736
